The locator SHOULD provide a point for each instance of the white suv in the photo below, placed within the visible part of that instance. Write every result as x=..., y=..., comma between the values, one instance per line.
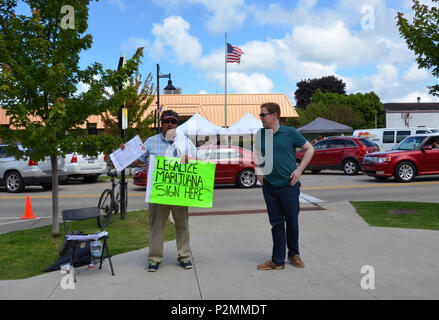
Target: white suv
x=90, y=168
x=16, y=174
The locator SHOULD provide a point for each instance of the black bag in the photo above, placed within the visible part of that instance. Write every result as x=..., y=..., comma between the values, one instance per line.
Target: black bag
x=81, y=257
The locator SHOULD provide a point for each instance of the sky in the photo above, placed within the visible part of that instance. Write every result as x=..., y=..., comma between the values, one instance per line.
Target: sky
x=284, y=42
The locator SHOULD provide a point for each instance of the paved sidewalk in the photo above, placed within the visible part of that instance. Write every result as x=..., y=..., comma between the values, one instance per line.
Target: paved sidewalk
x=335, y=244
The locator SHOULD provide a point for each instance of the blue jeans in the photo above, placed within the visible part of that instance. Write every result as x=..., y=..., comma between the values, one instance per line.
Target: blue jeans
x=283, y=213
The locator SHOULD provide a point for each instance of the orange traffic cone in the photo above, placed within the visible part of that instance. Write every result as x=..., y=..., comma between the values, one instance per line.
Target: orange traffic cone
x=28, y=211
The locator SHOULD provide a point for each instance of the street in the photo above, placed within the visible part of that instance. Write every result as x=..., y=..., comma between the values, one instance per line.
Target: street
x=328, y=186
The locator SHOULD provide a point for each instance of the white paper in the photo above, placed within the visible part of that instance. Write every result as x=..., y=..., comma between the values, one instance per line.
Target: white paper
x=123, y=158
x=151, y=167
x=182, y=144
x=83, y=237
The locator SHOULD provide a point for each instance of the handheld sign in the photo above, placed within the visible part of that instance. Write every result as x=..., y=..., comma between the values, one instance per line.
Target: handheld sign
x=180, y=184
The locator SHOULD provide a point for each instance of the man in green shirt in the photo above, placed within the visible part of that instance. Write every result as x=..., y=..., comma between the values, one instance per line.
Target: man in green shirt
x=277, y=171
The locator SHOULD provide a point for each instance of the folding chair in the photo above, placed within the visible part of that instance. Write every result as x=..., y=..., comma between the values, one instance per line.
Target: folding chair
x=84, y=214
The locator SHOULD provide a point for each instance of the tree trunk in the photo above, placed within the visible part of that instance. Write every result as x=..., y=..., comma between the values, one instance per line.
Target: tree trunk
x=55, y=209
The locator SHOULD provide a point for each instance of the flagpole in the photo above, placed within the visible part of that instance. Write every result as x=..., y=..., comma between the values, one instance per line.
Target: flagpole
x=225, y=84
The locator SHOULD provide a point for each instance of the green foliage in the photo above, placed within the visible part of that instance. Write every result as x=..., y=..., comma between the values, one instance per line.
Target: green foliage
x=366, y=104
x=340, y=113
x=38, y=84
x=137, y=98
x=422, y=37
x=307, y=88
x=40, y=74
x=357, y=110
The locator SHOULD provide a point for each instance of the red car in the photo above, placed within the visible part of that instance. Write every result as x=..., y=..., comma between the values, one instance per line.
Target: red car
x=234, y=165
x=339, y=153
x=414, y=156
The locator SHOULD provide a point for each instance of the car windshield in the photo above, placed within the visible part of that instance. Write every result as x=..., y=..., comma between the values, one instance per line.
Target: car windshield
x=409, y=143
x=367, y=142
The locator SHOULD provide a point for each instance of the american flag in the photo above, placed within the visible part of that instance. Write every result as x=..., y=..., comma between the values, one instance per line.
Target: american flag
x=233, y=54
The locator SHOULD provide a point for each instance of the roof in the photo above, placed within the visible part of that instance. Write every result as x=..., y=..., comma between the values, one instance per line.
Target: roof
x=210, y=106
x=415, y=106
x=320, y=125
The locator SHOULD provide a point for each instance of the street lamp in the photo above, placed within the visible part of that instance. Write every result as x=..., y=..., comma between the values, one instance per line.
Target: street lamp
x=168, y=87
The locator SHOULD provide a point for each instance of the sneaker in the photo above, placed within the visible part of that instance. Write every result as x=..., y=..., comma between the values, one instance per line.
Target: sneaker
x=186, y=264
x=296, y=261
x=153, y=266
x=270, y=265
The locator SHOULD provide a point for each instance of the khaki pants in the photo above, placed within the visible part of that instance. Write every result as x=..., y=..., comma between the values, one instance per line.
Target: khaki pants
x=158, y=215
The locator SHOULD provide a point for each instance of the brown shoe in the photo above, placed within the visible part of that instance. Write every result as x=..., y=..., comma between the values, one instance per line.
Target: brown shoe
x=296, y=261
x=269, y=265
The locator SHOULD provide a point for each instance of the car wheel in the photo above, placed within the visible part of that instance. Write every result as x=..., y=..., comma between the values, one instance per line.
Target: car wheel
x=14, y=182
x=246, y=178
x=405, y=172
x=91, y=179
x=351, y=167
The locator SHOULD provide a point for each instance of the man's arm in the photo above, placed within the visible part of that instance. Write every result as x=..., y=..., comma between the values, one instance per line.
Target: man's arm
x=309, y=152
x=257, y=156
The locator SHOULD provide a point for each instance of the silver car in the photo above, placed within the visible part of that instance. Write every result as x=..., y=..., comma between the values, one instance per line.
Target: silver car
x=16, y=174
x=90, y=168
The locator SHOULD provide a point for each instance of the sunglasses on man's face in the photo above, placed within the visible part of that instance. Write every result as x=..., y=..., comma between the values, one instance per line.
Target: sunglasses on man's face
x=264, y=114
x=168, y=121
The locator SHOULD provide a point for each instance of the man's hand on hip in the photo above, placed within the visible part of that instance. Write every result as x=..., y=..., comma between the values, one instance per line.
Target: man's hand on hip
x=295, y=176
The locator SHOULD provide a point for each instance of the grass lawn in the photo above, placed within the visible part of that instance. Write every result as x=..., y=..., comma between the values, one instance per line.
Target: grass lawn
x=412, y=215
x=27, y=253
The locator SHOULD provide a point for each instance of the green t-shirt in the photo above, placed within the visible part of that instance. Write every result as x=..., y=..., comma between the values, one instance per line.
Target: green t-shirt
x=279, y=153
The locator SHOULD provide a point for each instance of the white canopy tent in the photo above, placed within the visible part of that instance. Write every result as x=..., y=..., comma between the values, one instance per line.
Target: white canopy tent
x=198, y=125
x=248, y=124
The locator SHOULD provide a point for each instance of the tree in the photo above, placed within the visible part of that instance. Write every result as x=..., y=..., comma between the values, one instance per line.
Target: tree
x=340, y=113
x=367, y=104
x=137, y=100
x=357, y=110
x=306, y=89
x=39, y=56
x=422, y=37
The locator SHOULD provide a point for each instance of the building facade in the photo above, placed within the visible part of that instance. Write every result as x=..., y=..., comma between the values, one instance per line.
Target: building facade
x=411, y=115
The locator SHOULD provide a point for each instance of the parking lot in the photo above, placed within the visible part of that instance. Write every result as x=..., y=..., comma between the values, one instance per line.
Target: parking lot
x=328, y=186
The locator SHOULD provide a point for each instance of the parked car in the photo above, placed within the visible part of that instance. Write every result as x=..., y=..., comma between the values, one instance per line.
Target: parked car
x=388, y=138
x=414, y=156
x=234, y=165
x=16, y=174
x=90, y=168
x=339, y=153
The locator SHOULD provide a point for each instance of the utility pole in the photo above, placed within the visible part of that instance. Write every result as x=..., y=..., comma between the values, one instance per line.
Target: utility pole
x=123, y=185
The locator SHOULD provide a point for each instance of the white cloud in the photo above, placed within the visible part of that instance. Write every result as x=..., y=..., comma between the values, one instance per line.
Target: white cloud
x=118, y=3
x=416, y=75
x=413, y=97
x=227, y=14
x=242, y=83
x=174, y=33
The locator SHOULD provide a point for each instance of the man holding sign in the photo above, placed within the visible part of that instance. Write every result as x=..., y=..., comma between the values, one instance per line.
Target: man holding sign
x=162, y=145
